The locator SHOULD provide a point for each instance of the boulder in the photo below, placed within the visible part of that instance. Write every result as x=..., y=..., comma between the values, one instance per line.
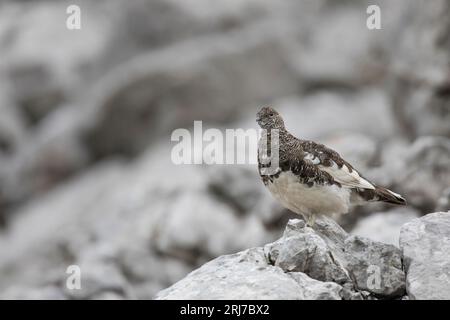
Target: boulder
x=420, y=94
x=302, y=249
x=157, y=92
x=137, y=221
x=375, y=267
x=248, y=275
x=329, y=254
x=425, y=243
x=419, y=171
x=427, y=163
x=325, y=263
x=384, y=226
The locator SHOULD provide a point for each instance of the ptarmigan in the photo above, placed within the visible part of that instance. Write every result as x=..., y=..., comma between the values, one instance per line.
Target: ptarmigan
x=311, y=179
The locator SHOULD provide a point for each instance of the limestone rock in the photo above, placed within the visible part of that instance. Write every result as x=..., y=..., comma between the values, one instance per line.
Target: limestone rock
x=247, y=275
x=425, y=243
x=324, y=264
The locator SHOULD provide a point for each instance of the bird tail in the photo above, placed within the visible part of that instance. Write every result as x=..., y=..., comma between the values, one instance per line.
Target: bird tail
x=389, y=196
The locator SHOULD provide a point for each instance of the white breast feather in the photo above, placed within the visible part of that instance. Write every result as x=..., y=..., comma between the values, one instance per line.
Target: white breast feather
x=302, y=199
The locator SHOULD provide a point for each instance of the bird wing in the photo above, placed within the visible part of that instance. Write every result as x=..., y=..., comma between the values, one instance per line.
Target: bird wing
x=331, y=162
x=345, y=177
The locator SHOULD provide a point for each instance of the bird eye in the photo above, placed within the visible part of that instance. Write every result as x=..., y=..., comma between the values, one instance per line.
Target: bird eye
x=271, y=114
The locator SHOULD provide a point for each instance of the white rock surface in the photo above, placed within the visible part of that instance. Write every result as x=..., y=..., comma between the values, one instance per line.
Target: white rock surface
x=247, y=275
x=425, y=243
x=325, y=263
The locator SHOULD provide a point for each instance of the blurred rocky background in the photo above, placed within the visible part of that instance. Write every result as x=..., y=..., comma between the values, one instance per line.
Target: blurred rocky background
x=86, y=115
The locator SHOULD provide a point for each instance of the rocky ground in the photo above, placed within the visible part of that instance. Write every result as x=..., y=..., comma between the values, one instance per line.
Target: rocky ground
x=86, y=176
x=326, y=263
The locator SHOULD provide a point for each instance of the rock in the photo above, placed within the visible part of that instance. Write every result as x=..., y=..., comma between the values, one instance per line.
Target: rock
x=247, y=275
x=384, y=226
x=407, y=170
x=155, y=93
x=425, y=243
x=12, y=126
x=137, y=70
x=444, y=201
x=107, y=295
x=116, y=218
x=375, y=267
x=329, y=254
x=93, y=263
x=26, y=293
x=427, y=163
x=317, y=290
x=40, y=258
x=301, y=249
x=43, y=77
x=150, y=24
x=327, y=62
x=239, y=187
x=420, y=94
x=52, y=154
x=36, y=101
x=93, y=283
x=357, y=149
x=370, y=107
x=199, y=226
x=325, y=263
x=12, y=134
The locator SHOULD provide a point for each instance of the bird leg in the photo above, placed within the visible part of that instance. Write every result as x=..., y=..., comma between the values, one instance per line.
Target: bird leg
x=310, y=220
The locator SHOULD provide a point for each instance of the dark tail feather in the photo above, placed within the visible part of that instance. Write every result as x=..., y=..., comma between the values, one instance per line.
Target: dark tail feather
x=388, y=196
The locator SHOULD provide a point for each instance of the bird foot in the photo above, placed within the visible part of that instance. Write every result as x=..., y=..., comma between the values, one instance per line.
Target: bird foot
x=310, y=220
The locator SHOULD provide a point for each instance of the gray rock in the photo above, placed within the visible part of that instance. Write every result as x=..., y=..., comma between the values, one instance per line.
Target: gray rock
x=329, y=254
x=158, y=92
x=425, y=243
x=139, y=69
x=29, y=293
x=357, y=149
x=42, y=78
x=384, y=226
x=317, y=290
x=329, y=62
x=326, y=264
x=427, y=163
x=197, y=225
x=51, y=155
x=374, y=266
x=443, y=203
x=12, y=126
x=420, y=171
x=239, y=187
x=368, y=118
x=419, y=94
x=107, y=295
x=94, y=262
x=303, y=250
x=137, y=221
x=247, y=275
x=94, y=283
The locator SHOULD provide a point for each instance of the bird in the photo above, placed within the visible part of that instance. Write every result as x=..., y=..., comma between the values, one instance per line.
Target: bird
x=309, y=178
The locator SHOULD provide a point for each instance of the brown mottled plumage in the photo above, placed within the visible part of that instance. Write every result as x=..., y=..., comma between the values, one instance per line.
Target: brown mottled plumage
x=313, y=179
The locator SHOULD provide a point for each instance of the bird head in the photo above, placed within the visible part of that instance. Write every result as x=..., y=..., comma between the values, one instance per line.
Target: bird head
x=268, y=118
